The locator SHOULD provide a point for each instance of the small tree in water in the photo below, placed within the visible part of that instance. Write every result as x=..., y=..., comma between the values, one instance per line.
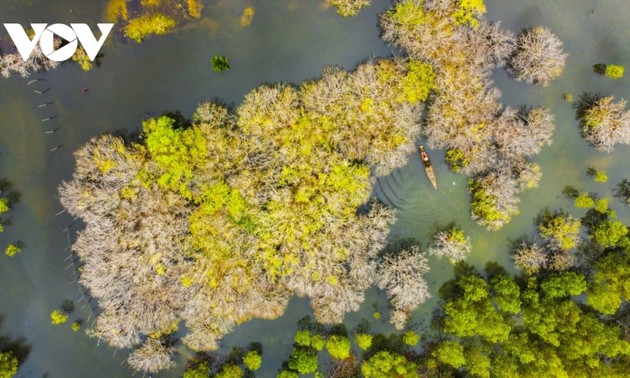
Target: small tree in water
x=605, y=122
x=220, y=63
x=539, y=57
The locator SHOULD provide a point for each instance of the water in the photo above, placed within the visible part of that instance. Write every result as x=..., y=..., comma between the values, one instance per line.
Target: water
x=289, y=40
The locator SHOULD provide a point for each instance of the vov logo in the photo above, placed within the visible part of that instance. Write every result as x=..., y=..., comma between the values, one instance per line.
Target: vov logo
x=45, y=35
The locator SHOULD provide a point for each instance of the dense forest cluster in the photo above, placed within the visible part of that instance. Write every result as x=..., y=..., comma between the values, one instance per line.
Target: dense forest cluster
x=483, y=138
x=225, y=219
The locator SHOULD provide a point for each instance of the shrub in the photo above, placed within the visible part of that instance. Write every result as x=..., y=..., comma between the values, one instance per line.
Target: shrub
x=76, y=326
x=614, y=71
x=12, y=250
x=58, y=317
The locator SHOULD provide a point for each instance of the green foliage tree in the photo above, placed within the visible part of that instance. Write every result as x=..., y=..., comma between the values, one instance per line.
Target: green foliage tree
x=450, y=353
x=338, y=347
x=230, y=371
x=610, y=233
x=202, y=370
x=610, y=283
x=417, y=82
x=385, y=364
x=410, y=338
x=4, y=205
x=563, y=285
x=601, y=206
x=8, y=365
x=560, y=229
x=506, y=294
x=363, y=340
x=252, y=360
x=584, y=201
x=303, y=360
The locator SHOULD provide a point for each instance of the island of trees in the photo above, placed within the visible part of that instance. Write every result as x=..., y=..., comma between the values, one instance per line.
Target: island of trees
x=223, y=218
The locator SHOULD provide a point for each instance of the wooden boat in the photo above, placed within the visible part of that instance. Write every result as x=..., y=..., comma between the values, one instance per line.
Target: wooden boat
x=428, y=167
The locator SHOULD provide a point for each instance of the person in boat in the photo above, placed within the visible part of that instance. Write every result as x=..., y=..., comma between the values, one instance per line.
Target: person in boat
x=425, y=157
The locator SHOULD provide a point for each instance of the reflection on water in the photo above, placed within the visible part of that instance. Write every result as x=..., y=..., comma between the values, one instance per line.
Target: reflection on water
x=286, y=40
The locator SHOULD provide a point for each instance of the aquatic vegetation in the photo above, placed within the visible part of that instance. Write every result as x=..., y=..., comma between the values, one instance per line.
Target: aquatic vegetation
x=220, y=63
x=194, y=8
x=247, y=16
x=539, y=57
x=567, y=96
x=483, y=138
x=605, y=122
x=452, y=243
x=402, y=277
x=349, y=8
x=141, y=27
x=140, y=19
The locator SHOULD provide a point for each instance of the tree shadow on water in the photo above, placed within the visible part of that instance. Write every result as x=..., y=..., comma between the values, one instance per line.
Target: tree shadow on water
x=18, y=346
